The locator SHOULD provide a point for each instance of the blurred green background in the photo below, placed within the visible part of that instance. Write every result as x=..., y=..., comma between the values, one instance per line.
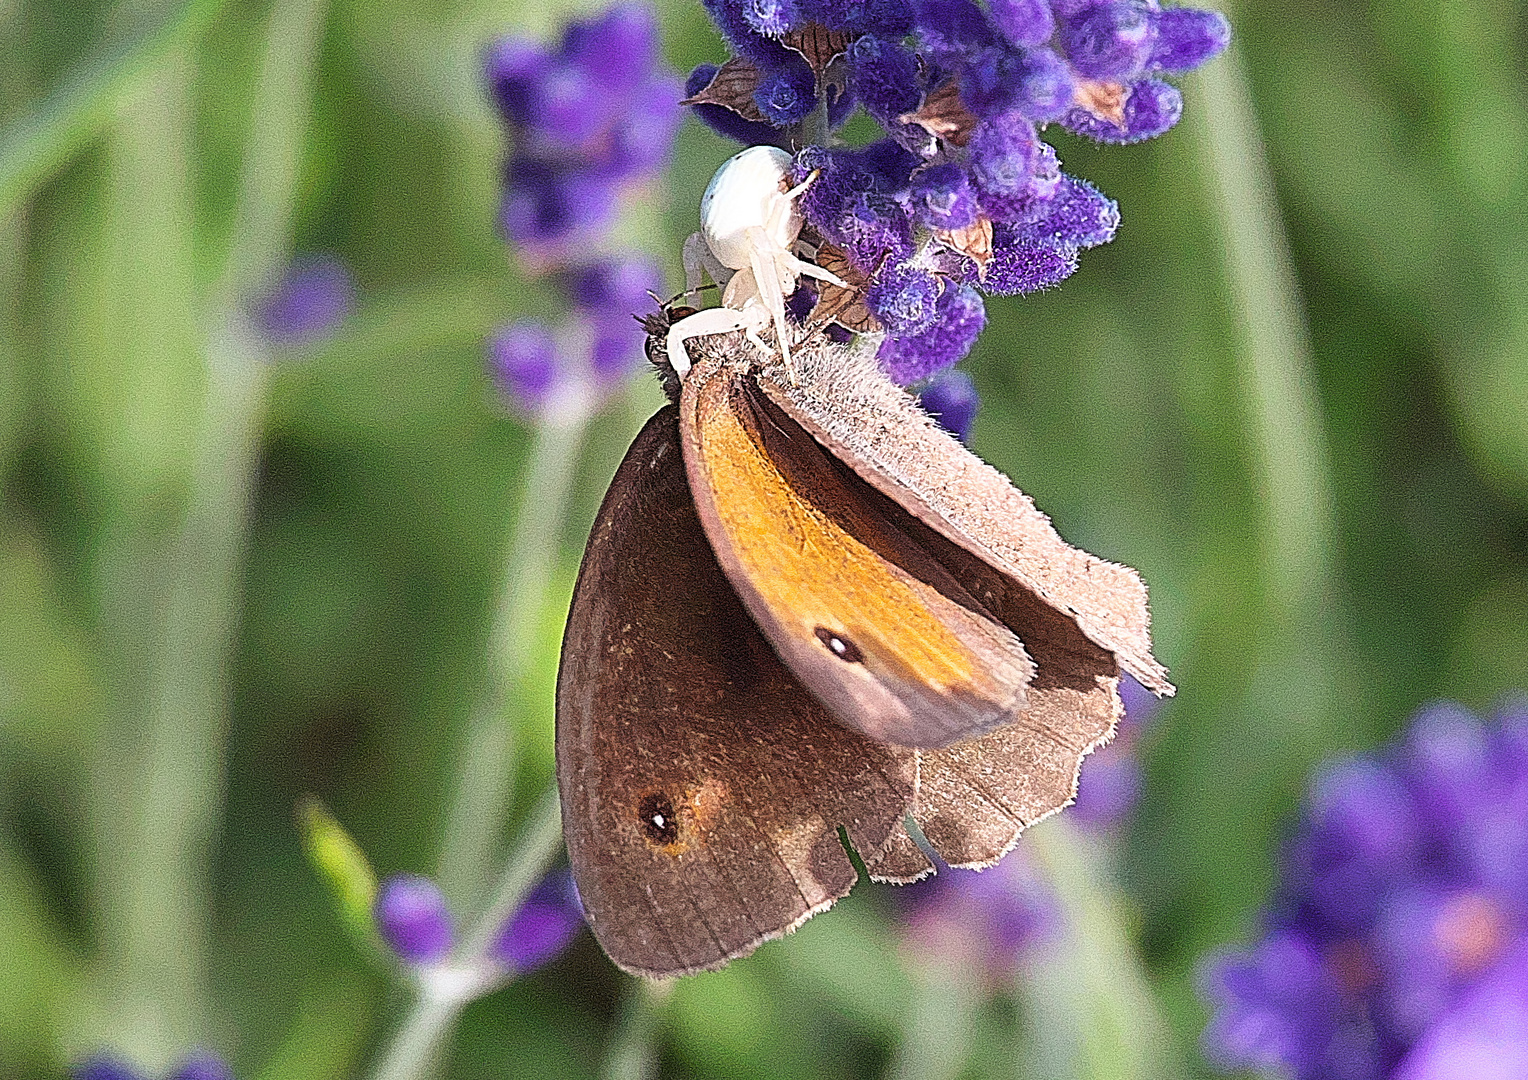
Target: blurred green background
x=1300, y=409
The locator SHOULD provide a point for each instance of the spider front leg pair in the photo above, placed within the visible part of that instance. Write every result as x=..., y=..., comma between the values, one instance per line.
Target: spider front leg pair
x=748, y=228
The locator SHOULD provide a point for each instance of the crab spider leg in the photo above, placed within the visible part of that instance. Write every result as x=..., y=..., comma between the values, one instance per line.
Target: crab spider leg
x=698, y=259
x=802, y=268
x=717, y=320
x=765, y=260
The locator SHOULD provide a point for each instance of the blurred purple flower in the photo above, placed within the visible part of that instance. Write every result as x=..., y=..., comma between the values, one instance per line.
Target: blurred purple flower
x=588, y=119
x=202, y=1065
x=199, y=1065
x=1404, y=898
x=1110, y=781
x=103, y=1067
x=545, y=925
x=986, y=921
x=414, y=919
x=310, y=300
x=590, y=354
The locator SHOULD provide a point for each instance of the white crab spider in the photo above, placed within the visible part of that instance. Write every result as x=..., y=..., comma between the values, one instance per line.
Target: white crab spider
x=748, y=227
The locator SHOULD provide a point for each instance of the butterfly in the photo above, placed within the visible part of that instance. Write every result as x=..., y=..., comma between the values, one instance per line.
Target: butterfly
x=808, y=617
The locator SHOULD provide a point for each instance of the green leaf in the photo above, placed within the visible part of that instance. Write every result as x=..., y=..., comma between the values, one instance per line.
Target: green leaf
x=80, y=109
x=343, y=866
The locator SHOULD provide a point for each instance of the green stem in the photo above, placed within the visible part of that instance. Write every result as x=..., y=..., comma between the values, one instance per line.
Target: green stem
x=633, y=1051
x=36, y=145
x=165, y=907
x=424, y=1030
x=937, y=1034
x=1278, y=372
x=419, y=1039
x=165, y=912
x=1092, y=1009
x=486, y=773
x=539, y=844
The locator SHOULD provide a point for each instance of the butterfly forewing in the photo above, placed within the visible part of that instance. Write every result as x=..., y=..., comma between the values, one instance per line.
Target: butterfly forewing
x=864, y=617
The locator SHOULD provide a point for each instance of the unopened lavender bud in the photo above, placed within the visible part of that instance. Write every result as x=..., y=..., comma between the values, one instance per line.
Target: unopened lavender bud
x=414, y=920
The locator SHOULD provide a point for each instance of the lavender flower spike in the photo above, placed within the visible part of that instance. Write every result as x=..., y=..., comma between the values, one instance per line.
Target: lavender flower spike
x=961, y=196
x=1397, y=943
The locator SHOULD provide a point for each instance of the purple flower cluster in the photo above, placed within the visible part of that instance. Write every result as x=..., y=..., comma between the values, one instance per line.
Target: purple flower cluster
x=1110, y=782
x=201, y=1065
x=590, y=122
x=414, y=919
x=961, y=197
x=1397, y=946
x=595, y=348
x=986, y=922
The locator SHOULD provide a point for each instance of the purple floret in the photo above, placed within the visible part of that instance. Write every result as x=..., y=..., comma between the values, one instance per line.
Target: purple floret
x=884, y=76
x=905, y=299
x=1150, y=108
x=545, y=925
x=202, y=1065
x=523, y=360
x=959, y=318
x=103, y=1067
x=1187, y=38
x=413, y=919
x=951, y=398
x=310, y=300
x=1025, y=23
x=1414, y=933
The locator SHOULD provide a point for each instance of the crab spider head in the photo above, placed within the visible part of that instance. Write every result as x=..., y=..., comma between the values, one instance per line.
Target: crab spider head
x=747, y=193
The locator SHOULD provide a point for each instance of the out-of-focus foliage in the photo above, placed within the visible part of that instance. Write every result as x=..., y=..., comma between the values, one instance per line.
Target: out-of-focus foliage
x=387, y=477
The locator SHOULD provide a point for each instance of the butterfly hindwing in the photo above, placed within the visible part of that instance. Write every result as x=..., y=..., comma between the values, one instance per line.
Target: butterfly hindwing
x=703, y=787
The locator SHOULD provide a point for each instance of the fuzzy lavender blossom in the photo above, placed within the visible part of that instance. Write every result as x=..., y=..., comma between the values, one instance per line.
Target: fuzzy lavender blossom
x=414, y=919
x=1396, y=947
x=548, y=920
x=988, y=923
x=1110, y=782
x=589, y=120
x=199, y=1065
x=961, y=192
x=950, y=397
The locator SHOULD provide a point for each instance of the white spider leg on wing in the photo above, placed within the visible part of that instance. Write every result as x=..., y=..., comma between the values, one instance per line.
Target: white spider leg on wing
x=770, y=276
x=802, y=268
x=699, y=260
x=717, y=320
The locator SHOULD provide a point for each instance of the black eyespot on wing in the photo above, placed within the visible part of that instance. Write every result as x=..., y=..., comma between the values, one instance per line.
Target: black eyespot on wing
x=659, y=823
x=840, y=646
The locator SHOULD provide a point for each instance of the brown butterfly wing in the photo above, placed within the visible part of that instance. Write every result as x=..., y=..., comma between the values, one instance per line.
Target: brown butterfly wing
x=875, y=427
x=974, y=798
x=1081, y=618
x=702, y=786
x=872, y=625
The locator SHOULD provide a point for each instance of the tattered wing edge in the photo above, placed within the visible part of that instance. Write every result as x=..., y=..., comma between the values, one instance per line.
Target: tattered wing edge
x=827, y=376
